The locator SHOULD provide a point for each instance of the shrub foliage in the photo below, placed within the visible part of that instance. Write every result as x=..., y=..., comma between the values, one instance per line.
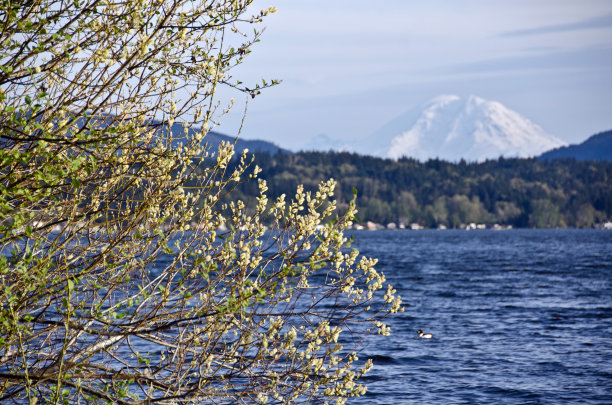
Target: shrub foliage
x=124, y=276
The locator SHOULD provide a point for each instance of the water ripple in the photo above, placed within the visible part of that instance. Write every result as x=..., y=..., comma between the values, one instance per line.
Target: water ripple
x=518, y=317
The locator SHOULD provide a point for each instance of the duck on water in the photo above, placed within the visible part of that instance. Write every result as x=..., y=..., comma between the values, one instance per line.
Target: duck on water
x=424, y=335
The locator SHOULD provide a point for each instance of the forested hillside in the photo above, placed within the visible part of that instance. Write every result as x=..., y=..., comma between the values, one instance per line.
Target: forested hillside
x=597, y=147
x=517, y=192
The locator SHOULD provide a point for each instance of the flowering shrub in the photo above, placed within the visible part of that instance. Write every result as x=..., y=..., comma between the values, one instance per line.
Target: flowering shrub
x=123, y=276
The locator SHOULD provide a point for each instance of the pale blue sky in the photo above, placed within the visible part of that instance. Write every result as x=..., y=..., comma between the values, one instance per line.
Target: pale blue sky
x=350, y=66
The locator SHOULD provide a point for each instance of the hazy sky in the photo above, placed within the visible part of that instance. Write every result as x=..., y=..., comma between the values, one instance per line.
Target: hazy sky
x=350, y=66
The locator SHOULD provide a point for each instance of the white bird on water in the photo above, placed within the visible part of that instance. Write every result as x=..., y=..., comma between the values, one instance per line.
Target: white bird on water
x=424, y=335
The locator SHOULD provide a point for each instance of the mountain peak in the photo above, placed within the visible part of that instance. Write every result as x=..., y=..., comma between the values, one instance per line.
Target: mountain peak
x=472, y=128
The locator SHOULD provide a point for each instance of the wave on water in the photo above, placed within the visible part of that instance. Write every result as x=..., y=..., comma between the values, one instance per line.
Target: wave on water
x=527, y=312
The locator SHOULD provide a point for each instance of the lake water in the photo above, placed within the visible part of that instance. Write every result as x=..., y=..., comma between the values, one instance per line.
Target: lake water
x=518, y=317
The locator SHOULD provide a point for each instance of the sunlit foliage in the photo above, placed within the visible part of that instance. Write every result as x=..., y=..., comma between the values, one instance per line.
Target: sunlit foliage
x=123, y=276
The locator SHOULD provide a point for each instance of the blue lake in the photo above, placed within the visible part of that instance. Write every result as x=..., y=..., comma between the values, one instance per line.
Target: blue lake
x=518, y=317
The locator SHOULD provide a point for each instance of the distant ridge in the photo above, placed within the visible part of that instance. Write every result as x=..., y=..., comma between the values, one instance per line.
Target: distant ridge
x=253, y=145
x=214, y=139
x=597, y=147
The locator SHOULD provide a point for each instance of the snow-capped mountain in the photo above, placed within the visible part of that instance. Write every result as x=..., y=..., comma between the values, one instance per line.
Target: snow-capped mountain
x=471, y=128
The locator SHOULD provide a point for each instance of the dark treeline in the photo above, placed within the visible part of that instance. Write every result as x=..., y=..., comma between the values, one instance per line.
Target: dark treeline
x=517, y=192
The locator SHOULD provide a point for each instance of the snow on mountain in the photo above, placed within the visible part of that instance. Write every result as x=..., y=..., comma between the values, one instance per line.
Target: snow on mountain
x=453, y=128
